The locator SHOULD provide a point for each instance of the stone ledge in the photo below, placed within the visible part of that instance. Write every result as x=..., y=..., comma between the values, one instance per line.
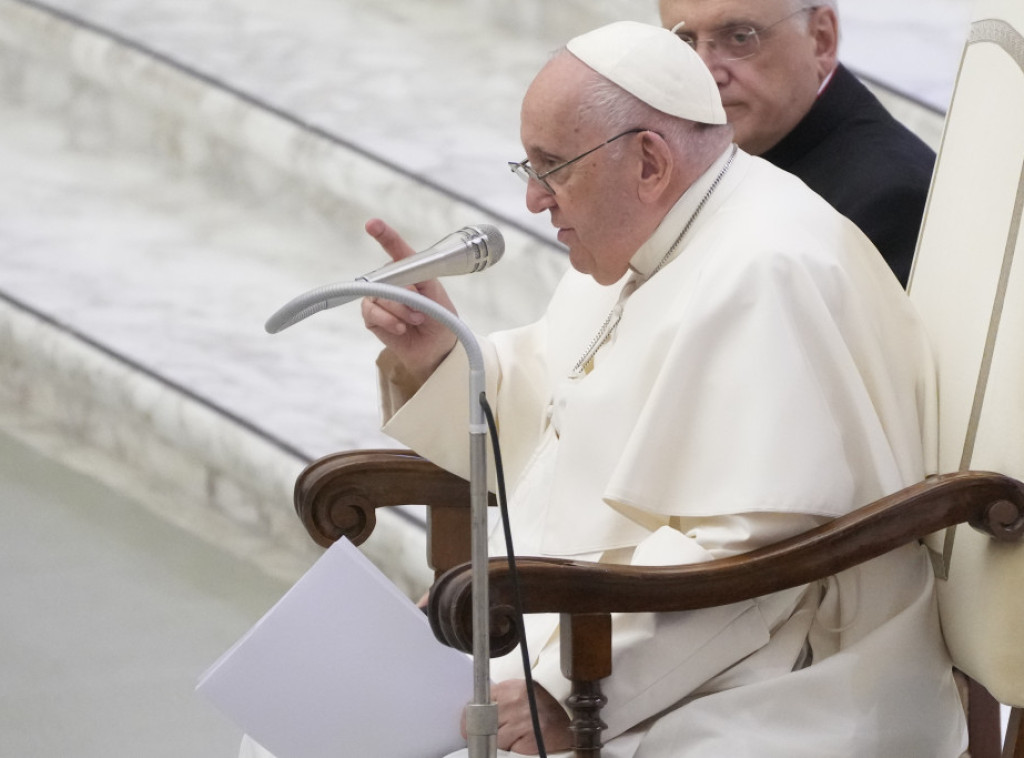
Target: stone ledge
x=176, y=456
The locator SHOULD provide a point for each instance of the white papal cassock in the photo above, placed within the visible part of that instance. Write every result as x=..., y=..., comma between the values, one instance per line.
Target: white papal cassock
x=771, y=376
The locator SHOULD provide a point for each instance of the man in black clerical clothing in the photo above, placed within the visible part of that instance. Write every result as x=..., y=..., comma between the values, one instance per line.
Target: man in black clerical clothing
x=792, y=103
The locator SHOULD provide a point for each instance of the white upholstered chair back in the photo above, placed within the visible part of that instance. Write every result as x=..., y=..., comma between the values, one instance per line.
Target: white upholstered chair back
x=968, y=284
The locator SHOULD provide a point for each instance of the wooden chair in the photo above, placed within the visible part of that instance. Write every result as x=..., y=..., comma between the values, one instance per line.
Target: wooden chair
x=338, y=495
x=972, y=299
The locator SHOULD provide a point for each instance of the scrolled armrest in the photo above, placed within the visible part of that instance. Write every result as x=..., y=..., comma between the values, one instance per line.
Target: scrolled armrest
x=990, y=502
x=337, y=496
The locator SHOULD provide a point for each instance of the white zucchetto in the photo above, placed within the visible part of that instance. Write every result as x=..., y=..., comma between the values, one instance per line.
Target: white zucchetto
x=654, y=65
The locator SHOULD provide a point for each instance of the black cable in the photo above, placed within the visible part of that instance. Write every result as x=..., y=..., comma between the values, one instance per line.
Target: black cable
x=514, y=573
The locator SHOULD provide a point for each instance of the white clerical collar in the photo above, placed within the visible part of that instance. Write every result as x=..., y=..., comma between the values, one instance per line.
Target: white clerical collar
x=652, y=254
x=826, y=82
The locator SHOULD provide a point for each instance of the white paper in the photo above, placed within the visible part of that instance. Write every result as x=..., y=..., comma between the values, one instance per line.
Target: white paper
x=344, y=666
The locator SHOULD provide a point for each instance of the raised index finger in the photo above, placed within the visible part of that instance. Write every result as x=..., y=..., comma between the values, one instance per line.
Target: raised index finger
x=390, y=240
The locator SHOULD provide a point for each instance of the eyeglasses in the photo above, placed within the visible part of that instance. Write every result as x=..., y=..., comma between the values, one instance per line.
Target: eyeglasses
x=736, y=42
x=526, y=172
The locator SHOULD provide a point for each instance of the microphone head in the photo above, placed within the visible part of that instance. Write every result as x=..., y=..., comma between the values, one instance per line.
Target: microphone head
x=489, y=238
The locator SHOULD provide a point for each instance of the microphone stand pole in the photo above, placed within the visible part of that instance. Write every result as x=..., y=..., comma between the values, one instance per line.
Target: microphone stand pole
x=481, y=713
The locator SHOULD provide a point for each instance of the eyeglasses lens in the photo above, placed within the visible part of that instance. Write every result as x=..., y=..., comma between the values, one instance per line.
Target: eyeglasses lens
x=732, y=43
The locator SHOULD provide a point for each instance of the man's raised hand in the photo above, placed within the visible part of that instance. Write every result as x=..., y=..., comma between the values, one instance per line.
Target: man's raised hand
x=417, y=341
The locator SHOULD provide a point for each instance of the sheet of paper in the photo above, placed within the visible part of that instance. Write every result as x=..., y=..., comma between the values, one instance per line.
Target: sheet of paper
x=343, y=665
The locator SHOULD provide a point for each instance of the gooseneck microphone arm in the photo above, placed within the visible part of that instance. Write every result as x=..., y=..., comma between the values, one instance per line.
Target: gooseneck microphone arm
x=481, y=714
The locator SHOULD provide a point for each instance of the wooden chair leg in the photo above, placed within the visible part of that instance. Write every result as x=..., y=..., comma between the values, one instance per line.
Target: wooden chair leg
x=586, y=645
x=982, y=722
x=586, y=702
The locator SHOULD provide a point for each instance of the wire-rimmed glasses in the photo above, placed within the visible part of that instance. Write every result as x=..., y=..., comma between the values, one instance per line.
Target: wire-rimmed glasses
x=735, y=42
x=526, y=172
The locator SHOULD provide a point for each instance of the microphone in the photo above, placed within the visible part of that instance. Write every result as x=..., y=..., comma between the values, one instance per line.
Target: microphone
x=470, y=249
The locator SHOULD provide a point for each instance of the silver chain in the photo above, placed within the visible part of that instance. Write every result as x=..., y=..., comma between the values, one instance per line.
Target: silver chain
x=612, y=320
x=700, y=206
x=602, y=335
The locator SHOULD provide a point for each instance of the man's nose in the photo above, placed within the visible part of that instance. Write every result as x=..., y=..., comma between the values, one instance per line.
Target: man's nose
x=708, y=52
x=538, y=198
x=716, y=64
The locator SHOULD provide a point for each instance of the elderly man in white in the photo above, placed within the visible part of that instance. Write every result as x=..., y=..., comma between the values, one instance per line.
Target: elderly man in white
x=730, y=362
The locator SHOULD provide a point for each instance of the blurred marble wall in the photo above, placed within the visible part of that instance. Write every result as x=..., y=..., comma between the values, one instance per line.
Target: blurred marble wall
x=175, y=170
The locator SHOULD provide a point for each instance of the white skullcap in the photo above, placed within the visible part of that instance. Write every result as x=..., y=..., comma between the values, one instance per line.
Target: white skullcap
x=656, y=66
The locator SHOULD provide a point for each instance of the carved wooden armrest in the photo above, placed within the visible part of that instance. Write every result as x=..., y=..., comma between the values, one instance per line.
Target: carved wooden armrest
x=991, y=503
x=586, y=594
x=338, y=495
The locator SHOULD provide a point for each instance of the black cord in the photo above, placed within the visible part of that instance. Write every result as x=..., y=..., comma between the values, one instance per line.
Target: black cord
x=514, y=573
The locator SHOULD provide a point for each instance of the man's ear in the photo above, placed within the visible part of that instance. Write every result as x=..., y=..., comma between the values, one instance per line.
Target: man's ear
x=656, y=167
x=824, y=30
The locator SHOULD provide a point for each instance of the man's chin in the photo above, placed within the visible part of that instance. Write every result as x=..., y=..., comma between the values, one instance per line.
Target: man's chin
x=579, y=262
x=744, y=125
x=744, y=131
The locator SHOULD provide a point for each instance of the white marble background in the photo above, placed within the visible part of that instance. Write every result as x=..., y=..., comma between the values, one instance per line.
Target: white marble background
x=149, y=205
x=432, y=87
x=169, y=230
